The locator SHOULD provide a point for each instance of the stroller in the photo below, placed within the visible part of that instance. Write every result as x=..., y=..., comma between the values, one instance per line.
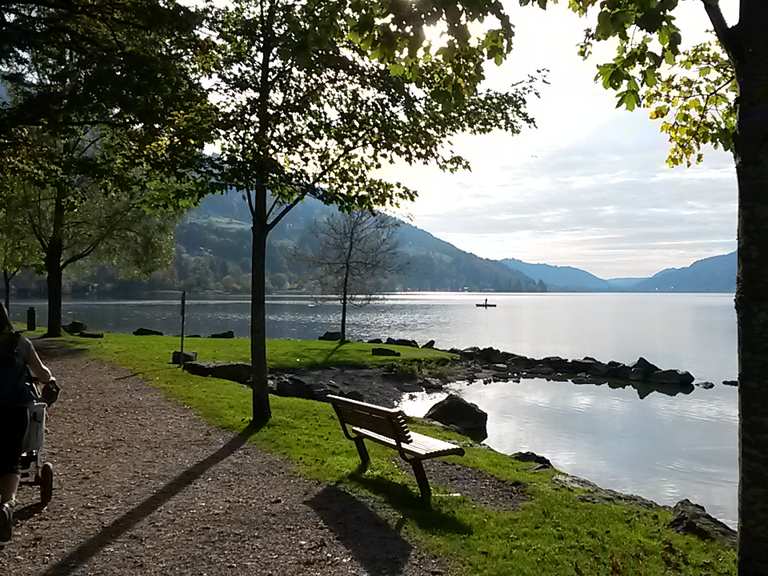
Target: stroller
x=34, y=470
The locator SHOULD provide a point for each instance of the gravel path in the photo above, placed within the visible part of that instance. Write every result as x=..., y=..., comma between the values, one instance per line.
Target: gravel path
x=145, y=487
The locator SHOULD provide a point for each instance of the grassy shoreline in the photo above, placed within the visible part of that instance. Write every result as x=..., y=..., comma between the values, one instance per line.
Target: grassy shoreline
x=552, y=533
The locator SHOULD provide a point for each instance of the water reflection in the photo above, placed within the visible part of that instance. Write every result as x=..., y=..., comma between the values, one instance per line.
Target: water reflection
x=662, y=448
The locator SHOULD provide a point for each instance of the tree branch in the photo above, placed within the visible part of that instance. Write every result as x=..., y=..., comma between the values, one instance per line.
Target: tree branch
x=723, y=32
x=286, y=209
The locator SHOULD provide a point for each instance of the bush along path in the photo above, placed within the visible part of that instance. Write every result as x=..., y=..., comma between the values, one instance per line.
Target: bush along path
x=149, y=488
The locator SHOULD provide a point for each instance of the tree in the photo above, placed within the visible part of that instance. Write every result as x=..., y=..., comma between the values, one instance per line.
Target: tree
x=353, y=252
x=715, y=93
x=315, y=96
x=83, y=197
x=129, y=63
x=15, y=239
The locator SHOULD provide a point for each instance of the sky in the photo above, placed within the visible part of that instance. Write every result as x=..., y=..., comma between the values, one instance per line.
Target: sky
x=589, y=186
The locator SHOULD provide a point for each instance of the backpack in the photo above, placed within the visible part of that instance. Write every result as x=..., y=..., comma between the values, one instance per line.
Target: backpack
x=14, y=374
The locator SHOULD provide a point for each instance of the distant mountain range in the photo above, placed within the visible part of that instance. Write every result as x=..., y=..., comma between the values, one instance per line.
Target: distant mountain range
x=214, y=241
x=213, y=254
x=714, y=274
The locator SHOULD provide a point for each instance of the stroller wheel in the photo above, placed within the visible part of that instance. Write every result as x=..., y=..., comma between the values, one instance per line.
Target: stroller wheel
x=46, y=483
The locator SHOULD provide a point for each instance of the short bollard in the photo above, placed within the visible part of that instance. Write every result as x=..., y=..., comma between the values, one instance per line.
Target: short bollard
x=31, y=319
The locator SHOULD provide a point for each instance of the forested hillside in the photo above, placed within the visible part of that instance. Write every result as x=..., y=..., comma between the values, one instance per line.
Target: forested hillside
x=213, y=255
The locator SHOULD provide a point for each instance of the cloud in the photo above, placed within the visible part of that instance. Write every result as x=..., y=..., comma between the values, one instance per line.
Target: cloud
x=589, y=187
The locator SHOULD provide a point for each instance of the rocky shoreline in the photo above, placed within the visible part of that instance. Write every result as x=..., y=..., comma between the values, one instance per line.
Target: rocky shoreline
x=386, y=385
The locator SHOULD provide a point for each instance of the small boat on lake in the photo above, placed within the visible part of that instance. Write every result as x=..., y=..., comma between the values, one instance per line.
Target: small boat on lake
x=486, y=305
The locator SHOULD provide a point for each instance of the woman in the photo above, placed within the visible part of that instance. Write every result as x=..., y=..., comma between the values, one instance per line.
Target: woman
x=17, y=355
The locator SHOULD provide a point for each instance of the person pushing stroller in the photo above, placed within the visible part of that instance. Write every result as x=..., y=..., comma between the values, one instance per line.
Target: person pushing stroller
x=17, y=358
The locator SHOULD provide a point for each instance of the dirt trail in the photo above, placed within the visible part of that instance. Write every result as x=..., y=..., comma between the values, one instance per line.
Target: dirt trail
x=143, y=486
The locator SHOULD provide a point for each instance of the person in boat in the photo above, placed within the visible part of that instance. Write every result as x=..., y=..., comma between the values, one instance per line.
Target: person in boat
x=17, y=358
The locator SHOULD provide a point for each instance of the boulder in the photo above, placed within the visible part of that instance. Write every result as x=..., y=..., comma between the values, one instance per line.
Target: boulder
x=490, y=356
x=146, y=332
x=429, y=344
x=432, y=384
x=176, y=357
x=672, y=377
x=74, y=327
x=557, y=363
x=85, y=334
x=730, y=382
x=227, y=334
x=693, y=519
x=618, y=371
x=353, y=395
x=198, y=368
x=519, y=362
x=372, y=340
x=461, y=415
x=469, y=353
x=642, y=369
x=297, y=388
x=402, y=342
x=384, y=352
x=237, y=372
x=541, y=461
x=330, y=336
x=541, y=370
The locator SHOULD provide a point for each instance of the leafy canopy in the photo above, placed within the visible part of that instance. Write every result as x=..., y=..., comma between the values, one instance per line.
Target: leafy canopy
x=129, y=64
x=691, y=91
x=316, y=97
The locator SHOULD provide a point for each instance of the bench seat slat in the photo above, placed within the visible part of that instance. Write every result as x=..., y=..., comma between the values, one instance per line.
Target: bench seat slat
x=420, y=446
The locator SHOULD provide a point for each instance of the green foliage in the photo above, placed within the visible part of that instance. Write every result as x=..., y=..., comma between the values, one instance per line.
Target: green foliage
x=81, y=195
x=552, y=533
x=691, y=91
x=448, y=67
x=16, y=240
x=119, y=63
x=323, y=103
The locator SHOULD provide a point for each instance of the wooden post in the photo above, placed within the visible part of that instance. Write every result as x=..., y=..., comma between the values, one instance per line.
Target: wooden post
x=183, y=318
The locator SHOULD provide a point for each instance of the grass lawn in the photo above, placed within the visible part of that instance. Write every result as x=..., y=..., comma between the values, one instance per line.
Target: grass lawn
x=552, y=533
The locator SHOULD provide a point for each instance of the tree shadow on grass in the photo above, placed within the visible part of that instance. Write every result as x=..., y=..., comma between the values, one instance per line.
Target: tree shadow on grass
x=76, y=559
x=50, y=349
x=374, y=544
x=142, y=372
x=333, y=351
x=409, y=504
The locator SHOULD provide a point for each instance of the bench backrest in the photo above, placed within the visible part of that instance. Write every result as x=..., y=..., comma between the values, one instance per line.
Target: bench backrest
x=389, y=422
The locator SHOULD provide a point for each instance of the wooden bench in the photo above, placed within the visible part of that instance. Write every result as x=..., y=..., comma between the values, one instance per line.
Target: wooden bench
x=387, y=426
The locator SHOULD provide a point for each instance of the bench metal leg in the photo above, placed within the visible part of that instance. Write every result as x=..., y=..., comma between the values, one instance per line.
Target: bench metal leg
x=421, y=479
x=363, y=452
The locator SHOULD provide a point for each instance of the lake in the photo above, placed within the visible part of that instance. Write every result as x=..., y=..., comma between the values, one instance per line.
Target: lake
x=663, y=448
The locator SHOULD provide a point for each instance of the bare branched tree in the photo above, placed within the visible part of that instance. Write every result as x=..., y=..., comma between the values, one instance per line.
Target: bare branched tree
x=354, y=253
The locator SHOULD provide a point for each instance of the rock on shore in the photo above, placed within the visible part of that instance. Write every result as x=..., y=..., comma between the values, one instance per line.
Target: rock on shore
x=461, y=415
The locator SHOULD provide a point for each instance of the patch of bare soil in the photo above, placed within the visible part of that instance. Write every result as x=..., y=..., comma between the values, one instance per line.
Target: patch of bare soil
x=145, y=487
x=479, y=486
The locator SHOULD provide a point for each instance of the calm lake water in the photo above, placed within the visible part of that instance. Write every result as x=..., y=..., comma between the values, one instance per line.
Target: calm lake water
x=661, y=447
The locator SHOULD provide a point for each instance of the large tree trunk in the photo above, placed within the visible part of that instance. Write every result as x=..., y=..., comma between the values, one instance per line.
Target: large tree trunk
x=344, y=309
x=54, y=283
x=260, y=389
x=352, y=221
x=752, y=291
x=53, y=267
